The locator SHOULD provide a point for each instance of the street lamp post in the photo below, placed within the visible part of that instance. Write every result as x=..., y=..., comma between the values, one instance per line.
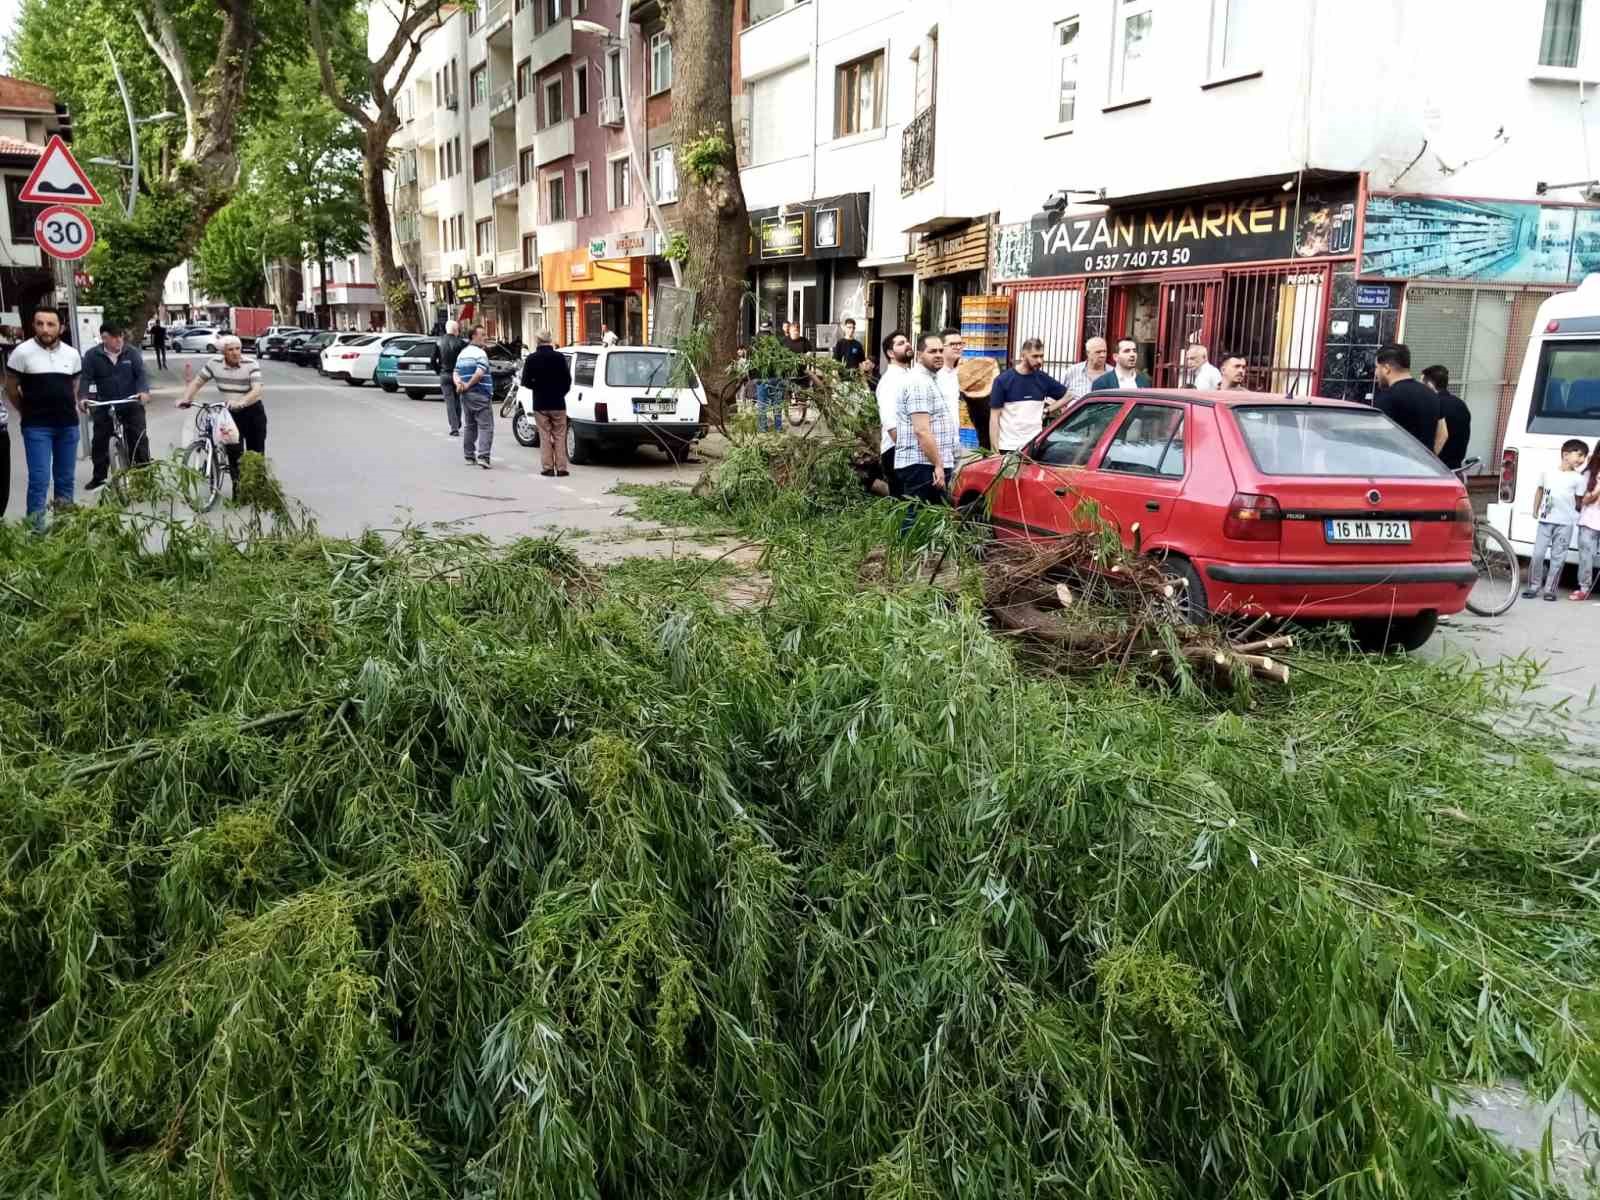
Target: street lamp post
x=133, y=130
x=621, y=42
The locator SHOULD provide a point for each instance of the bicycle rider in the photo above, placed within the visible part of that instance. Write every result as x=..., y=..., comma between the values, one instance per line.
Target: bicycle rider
x=239, y=380
x=114, y=371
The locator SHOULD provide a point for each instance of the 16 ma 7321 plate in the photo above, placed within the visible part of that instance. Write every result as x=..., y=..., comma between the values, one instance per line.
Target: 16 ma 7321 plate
x=1366, y=529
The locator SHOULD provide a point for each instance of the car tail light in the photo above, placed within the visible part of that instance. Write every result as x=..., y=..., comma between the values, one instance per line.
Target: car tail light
x=350, y=355
x=1461, y=524
x=1508, y=476
x=601, y=413
x=1253, y=518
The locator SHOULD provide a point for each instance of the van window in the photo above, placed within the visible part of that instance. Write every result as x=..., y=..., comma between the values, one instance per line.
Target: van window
x=1290, y=440
x=647, y=369
x=1566, y=392
x=583, y=370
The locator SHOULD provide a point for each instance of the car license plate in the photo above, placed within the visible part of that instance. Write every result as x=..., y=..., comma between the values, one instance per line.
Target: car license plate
x=1366, y=529
x=655, y=406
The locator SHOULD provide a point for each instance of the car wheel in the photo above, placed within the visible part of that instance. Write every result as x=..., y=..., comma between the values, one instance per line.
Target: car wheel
x=211, y=347
x=580, y=450
x=355, y=382
x=390, y=387
x=1189, y=592
x=1379, y=635
x=523, y=428
x=418, y=395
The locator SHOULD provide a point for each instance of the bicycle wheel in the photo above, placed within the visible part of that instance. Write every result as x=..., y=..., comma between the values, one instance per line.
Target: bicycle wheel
x=117, y=475
x=1498, y=572
x=202, y=483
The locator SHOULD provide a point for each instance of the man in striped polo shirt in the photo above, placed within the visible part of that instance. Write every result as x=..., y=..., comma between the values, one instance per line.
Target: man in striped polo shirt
x=239, y=380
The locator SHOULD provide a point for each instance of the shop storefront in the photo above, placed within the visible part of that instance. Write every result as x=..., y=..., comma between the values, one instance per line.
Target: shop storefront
x=1468, y=276
x=1252, y=271
x=807, y=263
x=601, y=285
x=951, y=265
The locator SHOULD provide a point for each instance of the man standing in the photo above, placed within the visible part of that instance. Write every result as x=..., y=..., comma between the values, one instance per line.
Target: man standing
x=607, y=336
x=770, y=388
x=1233, y=372
x=1016, y=402
x=1202, y=375
x=476, y=386
x=798, y=344
x=1079, y=378
x=546, y=375
x=41, y=379
x=897, y=357
x=158, y=343
x=949, y=385
x=925, y=453
x=1405, y=401
x=450, y=347
x=847, y=352
x=1126, y=373
x=1457, y=416
x=114, y=370
x=239, y=381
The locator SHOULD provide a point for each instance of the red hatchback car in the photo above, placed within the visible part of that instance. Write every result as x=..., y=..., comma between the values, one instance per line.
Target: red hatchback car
x=1302, y=508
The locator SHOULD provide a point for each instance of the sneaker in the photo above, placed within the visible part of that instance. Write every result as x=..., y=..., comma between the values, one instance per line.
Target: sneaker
x=471, y=462
x=483, y=461
x=94, y=485
x=1529, y=593
x=1580, y=594
x=1549, y=595
x=455, y=433
x=563, y=474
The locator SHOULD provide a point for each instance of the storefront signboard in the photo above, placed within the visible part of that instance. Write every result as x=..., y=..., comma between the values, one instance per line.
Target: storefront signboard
x=783, y=236
x=638, y=243
x=1216, y=231
x=1506, y=241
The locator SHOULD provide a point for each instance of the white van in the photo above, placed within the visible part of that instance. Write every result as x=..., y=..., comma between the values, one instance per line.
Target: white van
x=624, y=396
x=1557, y=398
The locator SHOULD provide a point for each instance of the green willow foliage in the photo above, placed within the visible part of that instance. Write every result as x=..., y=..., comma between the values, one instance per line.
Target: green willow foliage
x=413, y=867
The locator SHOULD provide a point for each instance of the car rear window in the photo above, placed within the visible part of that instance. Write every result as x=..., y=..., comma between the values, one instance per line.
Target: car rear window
x=1291, y=440
x=1566, y=391
x=647, y=369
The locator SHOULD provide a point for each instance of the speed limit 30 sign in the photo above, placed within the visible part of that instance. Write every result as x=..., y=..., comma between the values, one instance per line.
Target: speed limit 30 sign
x=63, y=232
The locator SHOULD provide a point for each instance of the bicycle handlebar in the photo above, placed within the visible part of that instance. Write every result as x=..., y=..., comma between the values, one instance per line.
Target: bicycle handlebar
x=112, y=403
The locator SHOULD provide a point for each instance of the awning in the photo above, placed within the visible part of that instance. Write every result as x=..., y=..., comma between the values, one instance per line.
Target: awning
x=1216, y=187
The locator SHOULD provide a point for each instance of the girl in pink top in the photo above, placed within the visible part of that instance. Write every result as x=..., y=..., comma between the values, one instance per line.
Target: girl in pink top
x=1588, y=528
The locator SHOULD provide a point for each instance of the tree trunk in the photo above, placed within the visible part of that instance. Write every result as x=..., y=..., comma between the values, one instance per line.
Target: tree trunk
x=711, y=209
x=325, y=320
x=389, y=276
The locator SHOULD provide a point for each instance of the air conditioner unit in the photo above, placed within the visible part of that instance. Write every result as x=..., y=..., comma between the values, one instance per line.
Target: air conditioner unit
x=611, y=112
x=453, y=103
x=486, y=266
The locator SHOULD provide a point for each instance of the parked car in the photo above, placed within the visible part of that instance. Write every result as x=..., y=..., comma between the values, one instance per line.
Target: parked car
x=197, y=339
x=307, y=351
x=275, y=343
x=357, y=362
x=329, y=365
x=386, y=373
x=1303, y=508
x=417, y=370
x=626, y=396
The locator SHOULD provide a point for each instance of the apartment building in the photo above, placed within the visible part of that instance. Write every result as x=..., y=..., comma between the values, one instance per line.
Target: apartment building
x=512, y=166
x=29, y=115
x=1297, y=181
x=350, y=300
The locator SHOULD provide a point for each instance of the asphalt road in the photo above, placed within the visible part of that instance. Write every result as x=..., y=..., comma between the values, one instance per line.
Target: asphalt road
x=362, y=458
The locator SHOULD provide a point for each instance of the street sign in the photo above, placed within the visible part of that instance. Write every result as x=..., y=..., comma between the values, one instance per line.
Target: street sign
x=63, y=232
x=58, y=179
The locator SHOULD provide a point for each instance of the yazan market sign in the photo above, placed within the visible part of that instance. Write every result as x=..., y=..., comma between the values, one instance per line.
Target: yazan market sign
x=1197, y=233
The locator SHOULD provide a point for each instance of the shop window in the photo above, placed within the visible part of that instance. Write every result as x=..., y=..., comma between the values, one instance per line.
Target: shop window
x=1561, y=38
x=1052, y=315
x=1235, y=25
x=581, y=189
x=1067, y=71
x=1131, y=60
x=663, y=175
x=858, y=95
x=660, y=62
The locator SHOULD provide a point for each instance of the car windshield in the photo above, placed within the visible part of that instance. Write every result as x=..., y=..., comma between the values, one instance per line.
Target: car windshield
x=1566, y=392
x=646, y=369
x=1309, y=440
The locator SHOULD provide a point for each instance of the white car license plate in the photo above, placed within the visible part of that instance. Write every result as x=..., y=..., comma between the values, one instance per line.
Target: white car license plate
x=1366, y=529
x=655, y=406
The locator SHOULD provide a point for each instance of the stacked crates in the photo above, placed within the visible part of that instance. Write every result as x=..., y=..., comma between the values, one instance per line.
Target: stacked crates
x=986, y=332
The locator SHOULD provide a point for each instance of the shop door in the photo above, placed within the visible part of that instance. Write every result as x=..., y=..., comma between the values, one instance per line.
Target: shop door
x=1467, y=332
x=1186, y=319
x=1135, y=310
x=803, y=307
x=594, y=316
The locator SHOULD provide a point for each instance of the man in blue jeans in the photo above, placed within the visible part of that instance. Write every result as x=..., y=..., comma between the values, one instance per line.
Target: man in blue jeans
x=42, y=381
x=771, y=393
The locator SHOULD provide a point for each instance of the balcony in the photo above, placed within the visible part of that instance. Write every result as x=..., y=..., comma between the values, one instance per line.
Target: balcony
x=553, y=44
x=916, y=152
x=508, y=262
x=504, y=183
x=429, y=199
x=432, y=265
x=556, y=236
x=497, y=22
x=405, y=168
x=503, y=105
x=553, y=143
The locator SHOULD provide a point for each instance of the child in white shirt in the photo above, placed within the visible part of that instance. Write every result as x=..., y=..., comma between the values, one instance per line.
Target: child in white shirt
x=1555, y=503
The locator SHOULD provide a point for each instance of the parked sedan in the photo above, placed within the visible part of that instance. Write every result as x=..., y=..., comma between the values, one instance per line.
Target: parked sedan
x=328, y=361
x=274, y=343
x=386, y=374
x=1302, y=508
x=197, y=339
x=307, y=351
x=357, y=362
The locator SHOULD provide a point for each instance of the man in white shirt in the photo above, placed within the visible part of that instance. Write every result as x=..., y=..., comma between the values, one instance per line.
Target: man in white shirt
x=897, y=359
x=1079, y=377
x=949, y=387
x=42, y=381
x=608, y=336
x=1202, y=375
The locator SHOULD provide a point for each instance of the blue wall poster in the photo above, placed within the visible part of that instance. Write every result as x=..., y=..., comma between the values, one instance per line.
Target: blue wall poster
x=1442, y=237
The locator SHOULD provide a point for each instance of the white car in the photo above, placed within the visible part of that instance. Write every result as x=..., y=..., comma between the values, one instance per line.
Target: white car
x=201, y=339
x=623, y=396
x=357, y=362
x=331, y=362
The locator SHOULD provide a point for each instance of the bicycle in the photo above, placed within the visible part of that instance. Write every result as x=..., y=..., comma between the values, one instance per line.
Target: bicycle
x=205, y=461
x=1499, y=573
x=121, y=454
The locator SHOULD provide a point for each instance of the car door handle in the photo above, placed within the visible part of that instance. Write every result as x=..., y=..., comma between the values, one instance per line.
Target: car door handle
x=1152, y=506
